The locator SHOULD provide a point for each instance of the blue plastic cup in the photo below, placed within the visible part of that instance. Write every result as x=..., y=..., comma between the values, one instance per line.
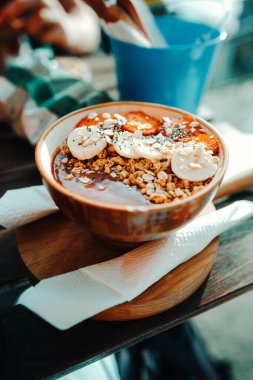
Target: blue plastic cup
x=174, y=76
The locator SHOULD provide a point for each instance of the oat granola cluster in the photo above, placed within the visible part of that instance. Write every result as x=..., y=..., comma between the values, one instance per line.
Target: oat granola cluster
x=154, y=179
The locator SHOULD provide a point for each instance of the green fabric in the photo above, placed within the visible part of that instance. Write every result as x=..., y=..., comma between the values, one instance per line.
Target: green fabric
x=48, y=85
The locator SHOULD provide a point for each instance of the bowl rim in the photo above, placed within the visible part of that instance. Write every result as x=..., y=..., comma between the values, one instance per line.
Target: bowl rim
x=130, y=208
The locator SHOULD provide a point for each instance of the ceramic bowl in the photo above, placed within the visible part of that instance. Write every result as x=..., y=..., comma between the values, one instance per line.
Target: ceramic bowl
x=123, y=223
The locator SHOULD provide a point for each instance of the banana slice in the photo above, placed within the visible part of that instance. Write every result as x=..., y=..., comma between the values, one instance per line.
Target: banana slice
x=148, y=148
x=124, y=144
x=194, y=163
x=153, y=148
x=86, y=142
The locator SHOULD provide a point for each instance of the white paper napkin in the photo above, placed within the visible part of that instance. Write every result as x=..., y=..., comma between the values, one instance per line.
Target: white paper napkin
x=124, y=32
x=148, y=21
x=22, y=206
x=240, y=151
x=68, y=299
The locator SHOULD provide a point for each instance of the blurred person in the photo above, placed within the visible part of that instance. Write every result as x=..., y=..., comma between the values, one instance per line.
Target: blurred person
x=69, y=25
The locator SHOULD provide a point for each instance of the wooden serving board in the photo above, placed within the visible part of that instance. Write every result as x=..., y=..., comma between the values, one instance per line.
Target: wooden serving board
x=55, y=245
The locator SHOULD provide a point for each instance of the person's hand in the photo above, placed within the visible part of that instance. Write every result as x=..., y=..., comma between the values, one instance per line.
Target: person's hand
x=68, y=24
x=8, y=43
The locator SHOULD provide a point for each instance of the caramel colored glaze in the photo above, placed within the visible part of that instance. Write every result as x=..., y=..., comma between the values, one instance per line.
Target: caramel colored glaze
x=102, y=187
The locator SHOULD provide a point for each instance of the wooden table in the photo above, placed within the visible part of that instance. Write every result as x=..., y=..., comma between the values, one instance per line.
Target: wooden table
x=32, y=349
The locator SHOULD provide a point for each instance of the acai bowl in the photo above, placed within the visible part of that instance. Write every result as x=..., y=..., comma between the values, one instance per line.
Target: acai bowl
x=130, y=171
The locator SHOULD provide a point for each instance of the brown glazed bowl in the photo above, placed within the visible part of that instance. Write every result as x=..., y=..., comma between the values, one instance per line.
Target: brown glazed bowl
x=119, y=222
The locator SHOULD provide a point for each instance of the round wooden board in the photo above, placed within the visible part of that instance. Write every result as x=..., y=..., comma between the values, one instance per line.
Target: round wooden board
x=54, y=245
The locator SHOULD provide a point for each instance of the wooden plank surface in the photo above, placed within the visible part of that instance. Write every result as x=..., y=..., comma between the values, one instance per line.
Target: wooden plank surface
x=32, y=349
x=14, y=151
x=41, y=350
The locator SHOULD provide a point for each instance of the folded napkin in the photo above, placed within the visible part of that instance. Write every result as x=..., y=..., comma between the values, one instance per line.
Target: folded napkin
x=124, y=31
x=240, y=152
x=22, y=206
x=68, y=299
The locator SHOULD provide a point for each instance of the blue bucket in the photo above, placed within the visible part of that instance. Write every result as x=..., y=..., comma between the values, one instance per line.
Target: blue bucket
x=174, y=76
